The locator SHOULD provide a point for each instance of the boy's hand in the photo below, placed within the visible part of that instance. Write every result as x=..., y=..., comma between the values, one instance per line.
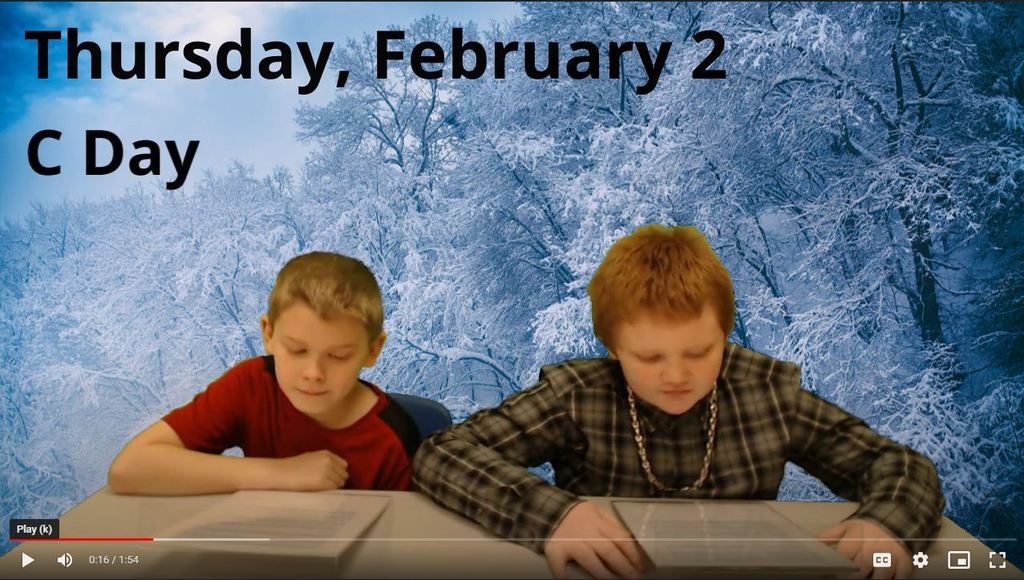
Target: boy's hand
x=312, y=471
x=596, y=541
x=859, y=539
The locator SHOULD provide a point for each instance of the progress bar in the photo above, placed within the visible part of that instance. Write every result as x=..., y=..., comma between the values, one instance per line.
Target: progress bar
x=454, y=539
x=114, y=539
x=86, y=539
x=213, y=539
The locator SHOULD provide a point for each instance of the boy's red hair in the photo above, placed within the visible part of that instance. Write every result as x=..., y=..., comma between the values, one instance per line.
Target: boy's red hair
x=666, y=271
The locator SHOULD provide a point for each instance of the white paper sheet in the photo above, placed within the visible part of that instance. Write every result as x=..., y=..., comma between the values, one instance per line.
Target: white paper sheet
x=279, y=522
x=724, y=535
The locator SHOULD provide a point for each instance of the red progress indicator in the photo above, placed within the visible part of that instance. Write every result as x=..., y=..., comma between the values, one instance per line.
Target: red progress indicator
x=85, y=539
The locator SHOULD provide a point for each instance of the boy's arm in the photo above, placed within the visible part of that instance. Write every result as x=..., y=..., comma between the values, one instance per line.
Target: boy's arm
x=478, y=468
x=156, y=462
x=897, y=487
x=181, y=454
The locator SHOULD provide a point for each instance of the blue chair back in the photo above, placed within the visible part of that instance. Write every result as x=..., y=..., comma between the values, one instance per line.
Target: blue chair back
x=429, y=415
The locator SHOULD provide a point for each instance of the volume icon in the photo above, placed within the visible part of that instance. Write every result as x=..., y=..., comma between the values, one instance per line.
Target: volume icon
x=64, y=559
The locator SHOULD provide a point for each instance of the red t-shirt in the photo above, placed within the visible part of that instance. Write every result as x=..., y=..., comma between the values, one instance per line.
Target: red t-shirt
x=246, y=408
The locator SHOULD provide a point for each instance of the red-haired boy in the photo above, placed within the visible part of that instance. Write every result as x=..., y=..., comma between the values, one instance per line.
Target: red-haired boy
x=675, y=411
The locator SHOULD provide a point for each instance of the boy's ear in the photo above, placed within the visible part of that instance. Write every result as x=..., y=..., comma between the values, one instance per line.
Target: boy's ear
x=267, y=330
x=376, y=345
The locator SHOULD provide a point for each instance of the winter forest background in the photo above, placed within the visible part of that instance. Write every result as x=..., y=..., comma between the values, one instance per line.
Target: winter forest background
x=860, y=171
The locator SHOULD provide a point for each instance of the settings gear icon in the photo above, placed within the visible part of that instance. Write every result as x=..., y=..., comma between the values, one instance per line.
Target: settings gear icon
x=920, y=560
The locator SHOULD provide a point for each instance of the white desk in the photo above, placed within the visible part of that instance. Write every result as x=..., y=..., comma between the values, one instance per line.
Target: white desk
x=414, y=538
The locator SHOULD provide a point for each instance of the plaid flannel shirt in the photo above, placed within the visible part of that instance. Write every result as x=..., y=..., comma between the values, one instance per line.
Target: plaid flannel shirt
x=577, y=418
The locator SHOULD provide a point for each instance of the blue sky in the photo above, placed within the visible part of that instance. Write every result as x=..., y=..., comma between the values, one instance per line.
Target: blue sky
x=250, y=121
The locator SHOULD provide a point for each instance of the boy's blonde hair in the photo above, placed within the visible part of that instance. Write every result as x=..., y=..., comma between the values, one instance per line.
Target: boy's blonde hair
x=667, y=271
x=332, y=285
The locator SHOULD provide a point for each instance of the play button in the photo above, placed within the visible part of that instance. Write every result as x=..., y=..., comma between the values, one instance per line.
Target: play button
x=26, y=559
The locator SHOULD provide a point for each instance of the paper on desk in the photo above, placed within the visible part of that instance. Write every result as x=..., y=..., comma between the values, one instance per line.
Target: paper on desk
x=279, y=522
x=721, y=534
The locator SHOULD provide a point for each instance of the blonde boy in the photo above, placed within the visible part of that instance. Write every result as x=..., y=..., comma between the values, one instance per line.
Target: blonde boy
x=674, y=411
x=301, y=414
